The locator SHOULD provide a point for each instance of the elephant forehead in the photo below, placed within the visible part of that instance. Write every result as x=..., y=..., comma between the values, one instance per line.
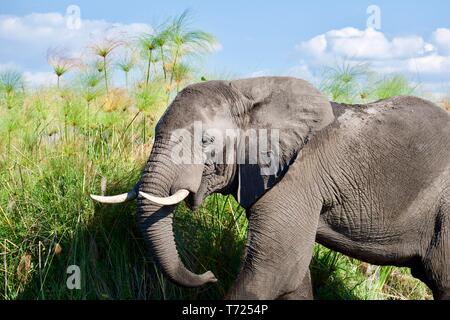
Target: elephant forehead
x=186, y=116
x=219, y=118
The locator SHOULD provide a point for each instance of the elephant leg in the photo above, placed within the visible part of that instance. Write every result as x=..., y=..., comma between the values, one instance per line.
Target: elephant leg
x=437, y=260
x=303, y=292
x=282, y=231
x=273, y=268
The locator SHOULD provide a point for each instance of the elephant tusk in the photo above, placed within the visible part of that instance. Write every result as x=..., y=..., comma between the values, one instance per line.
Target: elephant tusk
x=177, y=197
x=116, y=199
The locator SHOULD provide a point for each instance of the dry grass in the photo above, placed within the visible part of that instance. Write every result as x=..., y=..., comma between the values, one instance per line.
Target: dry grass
x=445, y=103
x=116, y=99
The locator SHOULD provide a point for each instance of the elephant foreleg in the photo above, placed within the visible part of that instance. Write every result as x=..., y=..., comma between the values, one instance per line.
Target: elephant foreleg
x=279, y=249
x=303, y=292
x=436, y=263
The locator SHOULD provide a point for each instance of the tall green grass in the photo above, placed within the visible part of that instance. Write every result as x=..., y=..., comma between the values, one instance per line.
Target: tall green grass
x=45, y=184
x=357, y=83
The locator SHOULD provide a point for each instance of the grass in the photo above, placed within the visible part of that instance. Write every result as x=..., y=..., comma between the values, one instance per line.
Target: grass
x=45, y=203
x=47, y=222
x=357, y=83
x=58, y=145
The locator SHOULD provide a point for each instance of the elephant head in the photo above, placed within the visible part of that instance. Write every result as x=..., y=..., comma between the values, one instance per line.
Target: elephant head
x=226, y=120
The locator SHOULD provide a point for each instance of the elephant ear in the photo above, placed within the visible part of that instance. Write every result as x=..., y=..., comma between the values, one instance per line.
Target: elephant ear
x=286, y=113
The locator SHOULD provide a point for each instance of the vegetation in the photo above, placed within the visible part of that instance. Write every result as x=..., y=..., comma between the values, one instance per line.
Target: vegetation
x=11, y=86
x=60, y=63
x=126, y=64
x=356, y=83
x=60, y=144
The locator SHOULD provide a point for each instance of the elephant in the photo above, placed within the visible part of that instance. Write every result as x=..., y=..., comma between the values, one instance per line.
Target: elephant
x=371, y=181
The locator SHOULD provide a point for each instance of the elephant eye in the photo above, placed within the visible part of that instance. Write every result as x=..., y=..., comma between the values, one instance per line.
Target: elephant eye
x=206, y=140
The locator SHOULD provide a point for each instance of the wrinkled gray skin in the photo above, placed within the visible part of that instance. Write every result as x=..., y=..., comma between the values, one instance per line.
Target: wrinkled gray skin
x=370, y=181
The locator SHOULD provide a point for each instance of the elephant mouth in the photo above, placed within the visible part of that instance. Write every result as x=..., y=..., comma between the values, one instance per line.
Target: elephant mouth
x=216, y=184
x=194, y=201
x=157, y=197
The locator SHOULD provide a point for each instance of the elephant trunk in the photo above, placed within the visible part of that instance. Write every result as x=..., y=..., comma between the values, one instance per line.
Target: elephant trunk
x=155, y=221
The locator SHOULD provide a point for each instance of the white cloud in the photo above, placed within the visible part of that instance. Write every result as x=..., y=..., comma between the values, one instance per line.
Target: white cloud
x=34, y=79
x=442, y=38
x=351, y=42
x=51, y=28
x=409, y=46
x=423, y=59
x=432, y=64
x=37, y=79
x=315, y=46
x=366, y=44
x=302, y=71
x=35, y=27
x=26, y=39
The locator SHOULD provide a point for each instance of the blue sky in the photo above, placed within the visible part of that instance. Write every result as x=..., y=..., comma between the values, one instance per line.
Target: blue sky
x=259, y=37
